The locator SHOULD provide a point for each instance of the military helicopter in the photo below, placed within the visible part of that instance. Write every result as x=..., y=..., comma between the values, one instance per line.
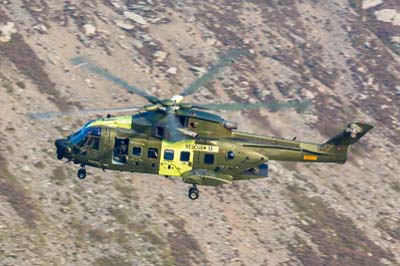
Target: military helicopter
x=173, y=138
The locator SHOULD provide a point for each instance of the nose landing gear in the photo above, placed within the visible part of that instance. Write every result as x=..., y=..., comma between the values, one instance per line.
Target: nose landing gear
x=82, y=172
x=193, y=192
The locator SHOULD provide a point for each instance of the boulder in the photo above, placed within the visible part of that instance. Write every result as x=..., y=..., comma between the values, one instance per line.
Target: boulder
x=200, y=70
x=371, y=3
x=172, y=70
x=160, y=56
x=388, y=15
x=6, y=31
x=90, y=30
x=135, y=17
x=124, y=25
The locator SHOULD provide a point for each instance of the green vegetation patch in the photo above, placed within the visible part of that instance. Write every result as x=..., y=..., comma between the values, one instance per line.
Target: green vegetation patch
x=391, y=227
x=305, y=253
x=184, y=247
x=126, y=189
x=395, y=185
x=29, y=64
x=113, y=260
x=338, y=240
x=7, y=85
x=17, y=196
x=59, y=176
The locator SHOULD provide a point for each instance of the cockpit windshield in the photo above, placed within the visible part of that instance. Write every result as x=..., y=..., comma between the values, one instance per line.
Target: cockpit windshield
x=80, y=137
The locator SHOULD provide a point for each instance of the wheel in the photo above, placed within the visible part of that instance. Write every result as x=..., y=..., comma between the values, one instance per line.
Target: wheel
x=81, y=173
x=193, y=193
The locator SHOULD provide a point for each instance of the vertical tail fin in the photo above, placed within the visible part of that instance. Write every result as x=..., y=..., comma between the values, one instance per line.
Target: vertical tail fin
x=352, y=133
x=338, y=146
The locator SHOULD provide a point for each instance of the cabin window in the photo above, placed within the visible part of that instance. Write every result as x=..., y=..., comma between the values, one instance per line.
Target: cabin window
x=94, y=143
x=152, y=153
x=209, y=158
x=185, y=156
x=121, y=150
x=137, y=151
x=168, y=155
x=230, y=155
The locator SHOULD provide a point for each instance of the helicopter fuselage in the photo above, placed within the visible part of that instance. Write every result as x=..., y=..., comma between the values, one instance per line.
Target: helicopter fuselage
x=215, y=154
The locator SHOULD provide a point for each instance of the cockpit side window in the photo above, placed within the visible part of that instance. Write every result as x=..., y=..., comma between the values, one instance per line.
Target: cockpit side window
x=81, y=137
x=94, y=131
x=94, y=142
x=94, y=137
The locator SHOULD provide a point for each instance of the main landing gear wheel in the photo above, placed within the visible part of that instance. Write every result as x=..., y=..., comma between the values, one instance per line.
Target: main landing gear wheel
x=193, y=193
x=82, y=173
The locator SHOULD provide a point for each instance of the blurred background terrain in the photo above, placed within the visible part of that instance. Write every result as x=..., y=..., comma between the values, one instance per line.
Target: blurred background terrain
x=342, y=56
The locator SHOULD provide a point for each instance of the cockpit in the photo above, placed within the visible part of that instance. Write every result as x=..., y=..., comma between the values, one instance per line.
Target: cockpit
x=86, y=135
x=84, y=141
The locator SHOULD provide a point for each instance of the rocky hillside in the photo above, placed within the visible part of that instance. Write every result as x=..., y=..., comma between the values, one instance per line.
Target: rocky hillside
x=342, y=56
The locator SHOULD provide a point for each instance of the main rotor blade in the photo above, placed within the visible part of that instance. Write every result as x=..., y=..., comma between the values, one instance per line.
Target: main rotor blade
x=300, y=106
x=228, y=58
x=172, y=125
x=50, y=115
x=82, y=62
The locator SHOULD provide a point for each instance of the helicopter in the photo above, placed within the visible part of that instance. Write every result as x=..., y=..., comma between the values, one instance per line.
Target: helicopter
x=173, y=138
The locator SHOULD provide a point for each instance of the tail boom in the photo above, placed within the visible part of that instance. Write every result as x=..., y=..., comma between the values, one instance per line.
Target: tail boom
x=334, y=150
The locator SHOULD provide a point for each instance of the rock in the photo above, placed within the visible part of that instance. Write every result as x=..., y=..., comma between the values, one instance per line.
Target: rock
x=89, y=83
x=124, y=25
x=138, y=44
x=211, y=41
x=371, y=3
x=90, y=30
x=246, y=41
x=398, y=90
x=135, y=17
x=139, y=8
x=388, y=15
x=40, y=28
x=36, y=9
x=384, y=107
x=172, y=70
x=308, y=94
x=198, y=69
x=116, y=5
x=160, y=56
x=396, y=39
x=26, y=169
x=367, y=45
x=146, y=38
x=385, y=261
x=6, y=31
x=66, y=128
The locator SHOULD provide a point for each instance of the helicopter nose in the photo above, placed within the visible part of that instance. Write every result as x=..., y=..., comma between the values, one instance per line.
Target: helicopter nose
x=60, y=145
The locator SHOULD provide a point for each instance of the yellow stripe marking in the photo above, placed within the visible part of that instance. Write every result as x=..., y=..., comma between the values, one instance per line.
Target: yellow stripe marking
x=310, y=157
x=114, y=122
